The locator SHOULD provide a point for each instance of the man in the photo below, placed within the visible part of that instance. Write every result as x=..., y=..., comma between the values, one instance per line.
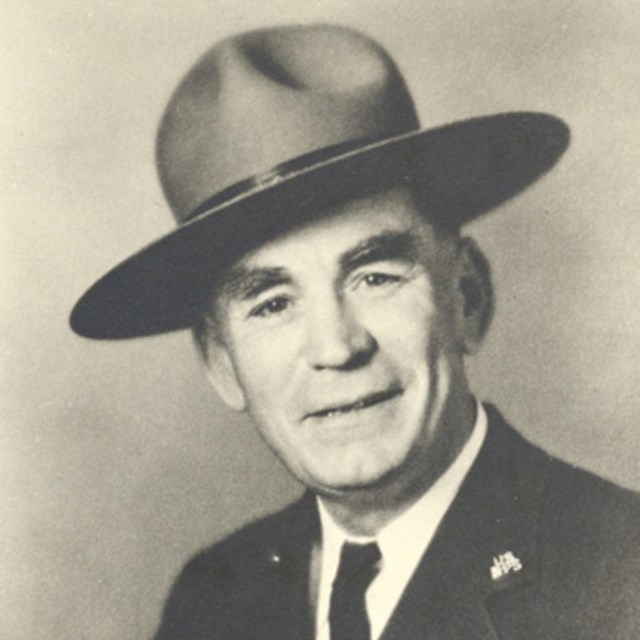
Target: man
x=320, y=263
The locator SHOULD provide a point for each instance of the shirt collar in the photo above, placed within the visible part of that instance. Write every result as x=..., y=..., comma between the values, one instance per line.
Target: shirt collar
x=399, y=545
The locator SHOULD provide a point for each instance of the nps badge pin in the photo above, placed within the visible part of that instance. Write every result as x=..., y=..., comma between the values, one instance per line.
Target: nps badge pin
x=504, y=564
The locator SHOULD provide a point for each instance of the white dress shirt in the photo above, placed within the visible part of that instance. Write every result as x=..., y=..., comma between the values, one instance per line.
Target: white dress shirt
x=402, y=542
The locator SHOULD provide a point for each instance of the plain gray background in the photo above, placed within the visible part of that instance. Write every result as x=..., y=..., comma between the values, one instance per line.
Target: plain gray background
x=116, y=461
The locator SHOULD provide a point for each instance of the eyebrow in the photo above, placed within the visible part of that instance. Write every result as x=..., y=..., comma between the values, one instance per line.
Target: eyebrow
x=389, y=245
x=243, y=283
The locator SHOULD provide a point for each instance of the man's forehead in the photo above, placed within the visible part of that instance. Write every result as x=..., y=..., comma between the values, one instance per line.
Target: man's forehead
x=342, y=228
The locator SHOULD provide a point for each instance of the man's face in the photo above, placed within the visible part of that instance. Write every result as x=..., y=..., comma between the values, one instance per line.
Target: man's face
x=339, y=338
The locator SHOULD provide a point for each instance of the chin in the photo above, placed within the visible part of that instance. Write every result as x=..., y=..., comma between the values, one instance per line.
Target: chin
x=355, y=475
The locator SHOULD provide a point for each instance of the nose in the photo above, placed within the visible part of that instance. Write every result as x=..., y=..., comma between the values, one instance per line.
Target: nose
x=337, y=339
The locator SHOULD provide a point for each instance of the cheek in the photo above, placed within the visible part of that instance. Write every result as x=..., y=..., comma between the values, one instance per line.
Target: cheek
x=404, y=324
x=266, y=366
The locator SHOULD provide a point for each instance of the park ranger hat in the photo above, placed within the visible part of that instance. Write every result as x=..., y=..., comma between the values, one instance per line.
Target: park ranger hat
x=272, y=125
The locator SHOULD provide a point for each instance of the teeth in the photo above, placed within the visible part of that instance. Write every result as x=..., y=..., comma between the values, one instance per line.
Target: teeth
x=335, y=412
x=361, y=404
x=356, y=406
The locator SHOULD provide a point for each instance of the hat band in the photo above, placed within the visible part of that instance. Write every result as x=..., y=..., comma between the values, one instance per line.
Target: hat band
x=280, y=172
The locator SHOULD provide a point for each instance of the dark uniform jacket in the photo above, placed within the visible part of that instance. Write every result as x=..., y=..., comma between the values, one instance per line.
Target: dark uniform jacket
x=531, y=549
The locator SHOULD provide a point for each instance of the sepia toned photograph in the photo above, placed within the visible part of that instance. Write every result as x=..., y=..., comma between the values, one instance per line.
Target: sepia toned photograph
x=320, y=320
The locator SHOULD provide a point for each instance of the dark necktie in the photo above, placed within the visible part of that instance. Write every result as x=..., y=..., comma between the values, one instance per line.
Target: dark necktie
x=347, y=613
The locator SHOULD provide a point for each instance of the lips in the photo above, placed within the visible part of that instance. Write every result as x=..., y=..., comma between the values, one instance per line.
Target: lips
x=362, y=403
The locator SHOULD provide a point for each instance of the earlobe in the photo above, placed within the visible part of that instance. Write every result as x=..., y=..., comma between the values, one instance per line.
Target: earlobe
x=475, y=296
x=223, y=377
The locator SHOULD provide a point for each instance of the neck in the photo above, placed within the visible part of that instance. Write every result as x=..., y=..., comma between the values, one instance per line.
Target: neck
x=366, y=511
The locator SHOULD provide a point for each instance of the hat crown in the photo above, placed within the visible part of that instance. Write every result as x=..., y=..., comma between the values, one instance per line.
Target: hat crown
x=262, y=98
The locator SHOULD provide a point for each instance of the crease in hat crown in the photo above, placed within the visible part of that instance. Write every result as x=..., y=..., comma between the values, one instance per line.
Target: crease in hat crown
x=257, y=100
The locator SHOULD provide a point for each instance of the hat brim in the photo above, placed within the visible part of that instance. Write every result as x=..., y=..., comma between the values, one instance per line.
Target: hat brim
x=465, y=169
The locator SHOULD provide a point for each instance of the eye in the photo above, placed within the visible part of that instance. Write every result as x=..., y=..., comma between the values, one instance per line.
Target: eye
x=271, y=307
x=379, y=279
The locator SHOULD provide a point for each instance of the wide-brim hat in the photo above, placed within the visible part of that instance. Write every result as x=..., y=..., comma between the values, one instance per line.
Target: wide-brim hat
x=272, y=126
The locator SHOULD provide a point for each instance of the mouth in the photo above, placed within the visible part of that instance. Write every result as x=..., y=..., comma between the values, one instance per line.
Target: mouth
x=363, y=403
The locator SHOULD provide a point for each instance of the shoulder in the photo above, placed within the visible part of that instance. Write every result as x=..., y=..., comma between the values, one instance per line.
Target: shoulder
x=248, y=548
x=591, y=547
x=588, y=530
x=593, y=520
x=569, y=508
x=259, y=535
x=579, y=499
x=569, y=492
x=222, y=580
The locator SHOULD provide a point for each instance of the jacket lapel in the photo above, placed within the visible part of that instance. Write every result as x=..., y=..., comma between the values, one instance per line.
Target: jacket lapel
x=486, y=546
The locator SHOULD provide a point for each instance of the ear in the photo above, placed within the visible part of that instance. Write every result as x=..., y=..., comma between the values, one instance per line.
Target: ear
x=474, y=296
x=222, y=375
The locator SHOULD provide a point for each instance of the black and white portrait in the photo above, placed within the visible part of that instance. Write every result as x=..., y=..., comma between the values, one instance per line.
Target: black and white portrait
x=320, y=320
